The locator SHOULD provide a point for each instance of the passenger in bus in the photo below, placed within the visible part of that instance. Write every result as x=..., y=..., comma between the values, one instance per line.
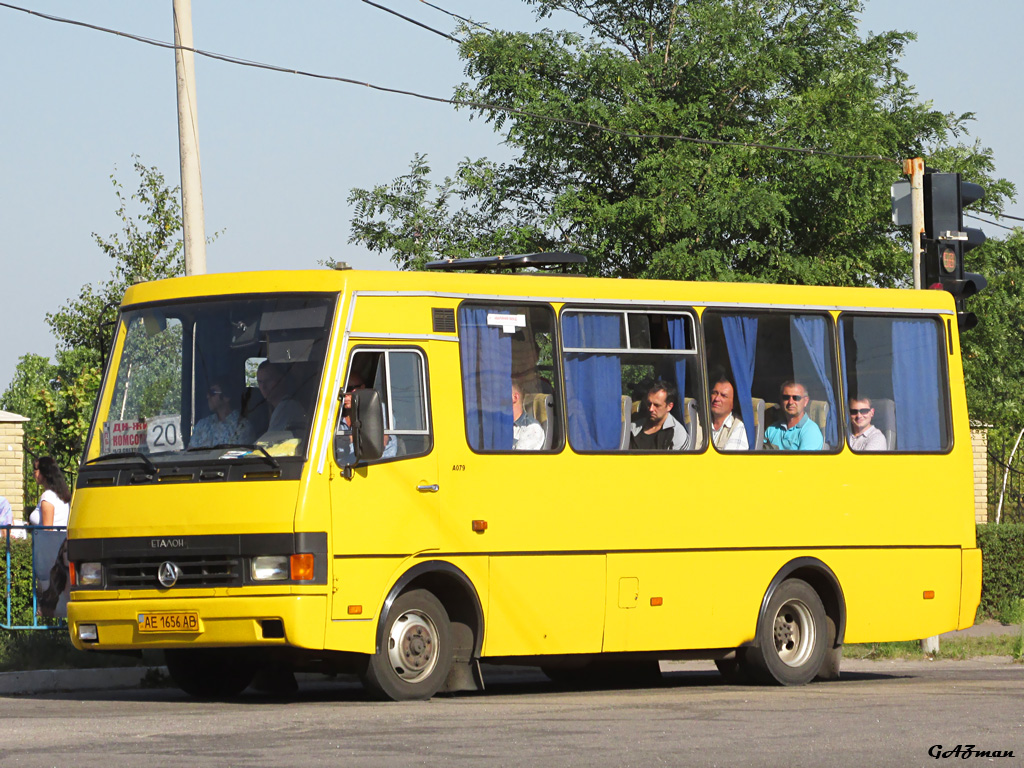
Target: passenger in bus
x=225, y=425
x=527, y=433
x=863, y=435
x=343, y=447
x=795, y=431
x=287, y=416
x=727, y=431
x=657, y=429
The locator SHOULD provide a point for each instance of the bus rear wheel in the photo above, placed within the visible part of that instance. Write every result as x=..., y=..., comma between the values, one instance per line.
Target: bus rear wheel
x=791, y=635
x=210, y=673
x=415, y=656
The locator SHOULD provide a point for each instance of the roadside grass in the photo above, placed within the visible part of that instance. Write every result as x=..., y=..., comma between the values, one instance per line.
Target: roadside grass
x=52, y=649
x=960, y=649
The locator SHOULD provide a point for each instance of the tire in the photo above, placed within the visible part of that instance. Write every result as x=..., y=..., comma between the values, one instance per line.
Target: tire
x=415, y=656
x=791, y=636
x=210, y=673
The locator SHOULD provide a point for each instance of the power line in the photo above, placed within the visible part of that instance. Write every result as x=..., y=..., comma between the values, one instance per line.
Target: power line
x=413, y=21
x=456, y=16
x=992, y=223
x=1001, y=215
x=483, y=106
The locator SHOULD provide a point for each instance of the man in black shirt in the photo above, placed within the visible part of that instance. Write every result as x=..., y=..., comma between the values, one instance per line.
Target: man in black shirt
x=657, y=429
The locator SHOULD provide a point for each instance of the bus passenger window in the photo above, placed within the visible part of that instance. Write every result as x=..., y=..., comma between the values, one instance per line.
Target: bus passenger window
x=780, y=371
x=631, y=380
x=509, y=378
x=399, y=377
x=895, y=374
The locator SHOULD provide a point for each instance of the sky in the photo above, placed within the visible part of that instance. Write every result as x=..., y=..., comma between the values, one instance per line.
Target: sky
x=280, y=153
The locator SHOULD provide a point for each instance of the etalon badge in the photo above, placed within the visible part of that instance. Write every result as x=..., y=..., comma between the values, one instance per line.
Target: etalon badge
x=168, y=574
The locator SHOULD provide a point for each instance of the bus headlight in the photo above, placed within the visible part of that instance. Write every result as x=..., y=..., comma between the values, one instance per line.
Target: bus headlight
x=270, y=568
x=89, y=574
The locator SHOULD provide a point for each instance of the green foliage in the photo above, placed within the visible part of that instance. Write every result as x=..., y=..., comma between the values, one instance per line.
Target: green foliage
x=1002, y=579
x=149, y=248
x=773, y=73
x=22, y=583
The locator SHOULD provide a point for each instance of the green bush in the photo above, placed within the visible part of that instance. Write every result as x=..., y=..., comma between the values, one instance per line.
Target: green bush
x=22, y=582
x=1002, y=571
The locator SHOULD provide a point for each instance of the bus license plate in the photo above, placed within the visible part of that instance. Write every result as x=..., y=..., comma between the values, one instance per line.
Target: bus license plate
x=169, y=622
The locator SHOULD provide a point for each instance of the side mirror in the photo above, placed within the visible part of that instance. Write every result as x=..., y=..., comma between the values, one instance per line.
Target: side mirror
x=367, y=425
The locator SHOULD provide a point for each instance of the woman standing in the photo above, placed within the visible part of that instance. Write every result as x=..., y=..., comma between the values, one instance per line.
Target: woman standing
x=55, y=503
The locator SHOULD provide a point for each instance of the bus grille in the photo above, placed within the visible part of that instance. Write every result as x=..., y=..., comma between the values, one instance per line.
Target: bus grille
x=208, y=571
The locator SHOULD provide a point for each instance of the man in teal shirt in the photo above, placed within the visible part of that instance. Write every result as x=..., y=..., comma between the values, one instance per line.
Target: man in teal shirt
x=795, y=431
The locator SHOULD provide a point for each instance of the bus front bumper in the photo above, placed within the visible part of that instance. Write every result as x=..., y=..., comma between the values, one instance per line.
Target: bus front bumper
x=117, y=625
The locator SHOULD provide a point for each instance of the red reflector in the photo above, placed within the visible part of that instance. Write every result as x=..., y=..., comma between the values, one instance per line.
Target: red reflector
x=479, y=526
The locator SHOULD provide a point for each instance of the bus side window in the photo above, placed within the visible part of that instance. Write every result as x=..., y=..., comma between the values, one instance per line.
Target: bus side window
x=895, y=375
x=509, y=377
x=632, y=380
x=766, y=359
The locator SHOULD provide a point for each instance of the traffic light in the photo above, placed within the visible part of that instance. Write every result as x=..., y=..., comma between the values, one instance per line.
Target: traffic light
x=947, y=240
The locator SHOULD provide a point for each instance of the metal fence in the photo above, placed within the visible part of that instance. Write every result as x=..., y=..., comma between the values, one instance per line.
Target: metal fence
x=1005, y=481
x=35, y=577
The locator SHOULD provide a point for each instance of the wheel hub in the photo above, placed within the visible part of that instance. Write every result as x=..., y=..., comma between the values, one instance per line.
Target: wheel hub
x=794, y=633
x=411, y=644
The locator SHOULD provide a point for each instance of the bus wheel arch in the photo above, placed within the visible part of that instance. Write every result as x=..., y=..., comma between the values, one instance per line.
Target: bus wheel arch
x=461, y=613
x=828, y=593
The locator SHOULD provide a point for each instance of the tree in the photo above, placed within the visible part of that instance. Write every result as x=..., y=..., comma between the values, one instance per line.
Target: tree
x=59, y=398
x=149, y=248
x=726, y=74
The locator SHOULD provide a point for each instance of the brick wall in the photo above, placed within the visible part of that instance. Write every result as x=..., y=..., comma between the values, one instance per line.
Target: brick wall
x=979, y=444
x=12, y=456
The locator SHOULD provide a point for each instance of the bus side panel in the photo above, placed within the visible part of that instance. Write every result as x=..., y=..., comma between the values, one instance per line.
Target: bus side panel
x=541, y=605
x=887, y=592
x=970, y=587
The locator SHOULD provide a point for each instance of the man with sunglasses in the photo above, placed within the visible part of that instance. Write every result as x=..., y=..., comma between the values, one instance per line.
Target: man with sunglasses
x=795, y=431
x=863, y=435
x=224, y=425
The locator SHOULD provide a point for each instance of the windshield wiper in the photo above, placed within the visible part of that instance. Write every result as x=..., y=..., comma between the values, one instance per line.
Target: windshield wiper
x=237, y=446
x=127, y=455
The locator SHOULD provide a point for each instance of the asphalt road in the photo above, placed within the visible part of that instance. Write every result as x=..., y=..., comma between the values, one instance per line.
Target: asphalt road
x=878, y=714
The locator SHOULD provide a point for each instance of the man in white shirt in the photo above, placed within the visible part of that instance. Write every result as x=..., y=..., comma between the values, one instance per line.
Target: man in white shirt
x=863, y=435
x=727, y=432
x=527, y=432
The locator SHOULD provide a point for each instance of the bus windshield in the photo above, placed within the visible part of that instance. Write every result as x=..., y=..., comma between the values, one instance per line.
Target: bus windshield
x=214, y=379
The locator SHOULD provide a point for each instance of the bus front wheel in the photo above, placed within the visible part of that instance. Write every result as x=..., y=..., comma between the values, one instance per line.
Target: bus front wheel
x=415, y=656
x=791, y=635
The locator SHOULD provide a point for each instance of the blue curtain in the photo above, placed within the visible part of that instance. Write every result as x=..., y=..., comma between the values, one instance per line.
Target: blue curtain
x=593, y=382
x=812, y=330
x=741, y=341
x=677, y=336
x=915, y=385
x=486, y=380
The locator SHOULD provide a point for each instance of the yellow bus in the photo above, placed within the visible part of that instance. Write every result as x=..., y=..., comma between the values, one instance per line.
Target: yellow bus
x=404, y=474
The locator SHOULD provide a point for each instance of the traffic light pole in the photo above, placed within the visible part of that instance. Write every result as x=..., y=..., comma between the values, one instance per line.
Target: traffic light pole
x=914, y=168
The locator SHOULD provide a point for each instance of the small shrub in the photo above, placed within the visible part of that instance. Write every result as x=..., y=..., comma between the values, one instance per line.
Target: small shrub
x=22, y=584
x=1002, y=577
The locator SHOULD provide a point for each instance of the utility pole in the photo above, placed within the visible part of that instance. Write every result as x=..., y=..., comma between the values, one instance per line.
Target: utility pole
x=188, y=142
x=914, y=168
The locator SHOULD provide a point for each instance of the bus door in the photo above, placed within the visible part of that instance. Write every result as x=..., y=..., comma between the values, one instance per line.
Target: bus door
x=386, y=510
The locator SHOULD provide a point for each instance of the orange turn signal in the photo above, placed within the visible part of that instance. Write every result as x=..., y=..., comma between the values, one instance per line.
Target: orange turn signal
x=72, y=578
x=479, y=526
x=302, y=567
x=355, y=610
x=656, y=601
x=929, y=594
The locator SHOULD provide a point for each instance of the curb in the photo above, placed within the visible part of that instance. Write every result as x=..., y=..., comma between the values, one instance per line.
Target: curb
x=62, y=680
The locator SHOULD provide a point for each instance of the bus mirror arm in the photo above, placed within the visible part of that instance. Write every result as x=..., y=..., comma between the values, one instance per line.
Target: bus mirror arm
x=367, y=425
